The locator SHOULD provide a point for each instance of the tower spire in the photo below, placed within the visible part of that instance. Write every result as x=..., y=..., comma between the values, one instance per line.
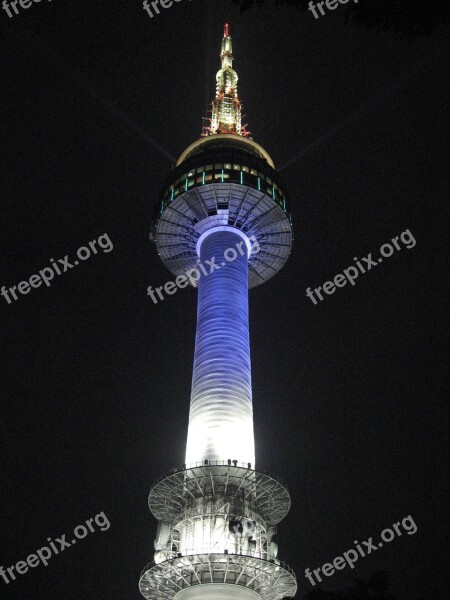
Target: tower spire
x=226, y=107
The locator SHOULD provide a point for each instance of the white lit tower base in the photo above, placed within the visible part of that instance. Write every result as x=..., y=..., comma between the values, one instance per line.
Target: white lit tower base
x=225, y=204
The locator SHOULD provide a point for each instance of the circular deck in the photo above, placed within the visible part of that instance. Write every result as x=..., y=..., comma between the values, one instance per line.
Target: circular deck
x=224, y=184
x=271, y=580
x=264, y=494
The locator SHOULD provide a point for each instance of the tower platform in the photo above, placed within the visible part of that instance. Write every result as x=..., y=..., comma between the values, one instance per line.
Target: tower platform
x=234, y=508
x=269, y=580
x=263, y=494
x=224, y=180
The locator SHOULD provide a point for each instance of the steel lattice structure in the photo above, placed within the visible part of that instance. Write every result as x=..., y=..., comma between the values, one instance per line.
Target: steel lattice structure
x=269, y=579
x=264, y=494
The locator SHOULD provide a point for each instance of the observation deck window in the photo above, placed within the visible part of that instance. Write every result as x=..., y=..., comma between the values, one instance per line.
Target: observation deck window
x=242, y=168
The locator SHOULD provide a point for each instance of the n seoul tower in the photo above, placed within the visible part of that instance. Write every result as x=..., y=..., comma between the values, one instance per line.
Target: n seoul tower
x=225, y=206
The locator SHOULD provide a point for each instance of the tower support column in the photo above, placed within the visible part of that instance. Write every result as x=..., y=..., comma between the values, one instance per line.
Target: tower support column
x=221, y=416
x=217, y=591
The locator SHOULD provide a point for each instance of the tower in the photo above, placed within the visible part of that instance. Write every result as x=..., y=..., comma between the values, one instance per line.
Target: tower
x=223, y=225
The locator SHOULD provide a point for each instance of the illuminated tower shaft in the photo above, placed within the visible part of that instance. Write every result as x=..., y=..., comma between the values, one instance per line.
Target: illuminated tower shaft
x=221, y=417
x=223, y=221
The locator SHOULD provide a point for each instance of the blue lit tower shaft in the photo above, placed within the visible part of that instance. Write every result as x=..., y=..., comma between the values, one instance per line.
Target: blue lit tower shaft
x=221, y=416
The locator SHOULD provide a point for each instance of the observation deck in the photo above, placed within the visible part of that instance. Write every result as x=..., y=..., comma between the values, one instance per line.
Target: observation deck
x=270, y=580
x=208, y=497
x=263, y=494
x=224, y=179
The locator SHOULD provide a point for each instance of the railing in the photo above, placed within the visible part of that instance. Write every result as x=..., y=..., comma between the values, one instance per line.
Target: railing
x=208, y=549
x=210, y=553
x=217, y=463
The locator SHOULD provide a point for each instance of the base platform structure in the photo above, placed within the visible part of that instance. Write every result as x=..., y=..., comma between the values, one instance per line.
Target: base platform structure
x=214, y=539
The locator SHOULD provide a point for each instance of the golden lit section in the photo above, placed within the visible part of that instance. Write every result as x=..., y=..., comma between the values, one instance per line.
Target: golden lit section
x=226, y=116
x=198, y=145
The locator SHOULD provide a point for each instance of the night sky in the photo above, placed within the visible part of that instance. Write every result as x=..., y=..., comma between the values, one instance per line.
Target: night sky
x=348, y=394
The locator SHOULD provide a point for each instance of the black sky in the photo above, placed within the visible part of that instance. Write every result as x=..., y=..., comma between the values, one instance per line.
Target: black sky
x=348, y=395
